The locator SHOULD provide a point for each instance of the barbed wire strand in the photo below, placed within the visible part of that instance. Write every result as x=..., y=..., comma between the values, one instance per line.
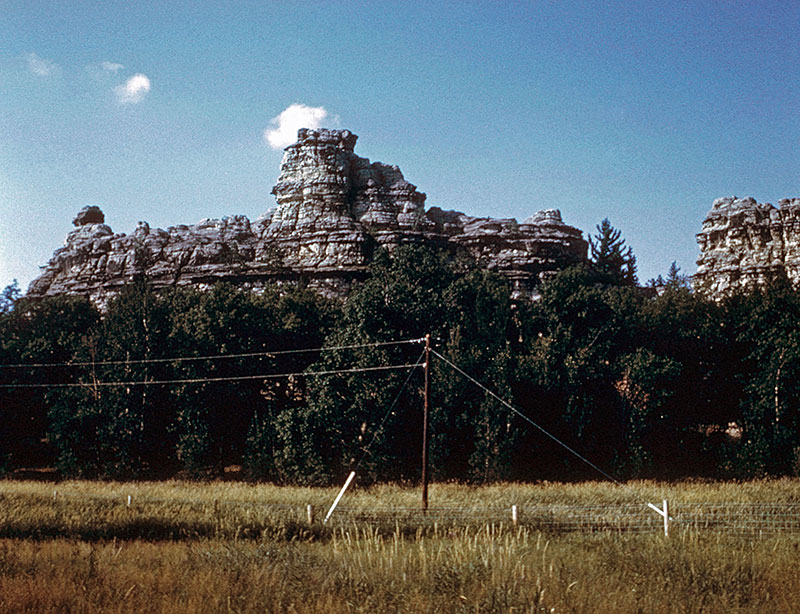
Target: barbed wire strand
x=100, y=363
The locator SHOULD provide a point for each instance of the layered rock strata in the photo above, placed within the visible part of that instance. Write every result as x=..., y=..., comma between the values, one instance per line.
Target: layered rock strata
x=743, y=244
x=334, y=209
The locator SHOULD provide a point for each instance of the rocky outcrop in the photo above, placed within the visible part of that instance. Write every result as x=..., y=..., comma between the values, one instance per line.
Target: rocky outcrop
x=90, y=214
x=334, y=209
x=743, y=244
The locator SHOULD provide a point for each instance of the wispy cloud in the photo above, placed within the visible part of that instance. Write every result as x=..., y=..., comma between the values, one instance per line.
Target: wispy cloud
x=133, y=90
x=290, y=120
x=111, y=67
x=40, y=66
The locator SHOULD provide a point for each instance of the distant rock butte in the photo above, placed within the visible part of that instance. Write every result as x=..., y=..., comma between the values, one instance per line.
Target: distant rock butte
x=334, y=209
x=744, y=243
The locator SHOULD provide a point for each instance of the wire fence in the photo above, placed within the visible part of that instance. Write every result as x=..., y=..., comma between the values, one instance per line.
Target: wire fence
x=743, y=518
x=735, y=518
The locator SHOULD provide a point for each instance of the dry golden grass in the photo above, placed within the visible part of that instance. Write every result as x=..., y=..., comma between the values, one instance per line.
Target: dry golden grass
x=360, y=571
x=441, y=495
x=175, y=510
x=85, y=552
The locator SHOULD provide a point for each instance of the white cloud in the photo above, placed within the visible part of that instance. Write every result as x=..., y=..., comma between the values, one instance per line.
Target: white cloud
x=111, y=66
x=40, y=66
x=290, y=120
x=133, y=90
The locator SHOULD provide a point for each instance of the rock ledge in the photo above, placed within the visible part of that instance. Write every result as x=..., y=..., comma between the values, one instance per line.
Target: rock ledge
x=334, y=209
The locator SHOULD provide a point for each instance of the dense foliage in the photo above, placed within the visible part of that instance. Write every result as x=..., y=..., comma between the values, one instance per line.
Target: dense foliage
x=651, y=382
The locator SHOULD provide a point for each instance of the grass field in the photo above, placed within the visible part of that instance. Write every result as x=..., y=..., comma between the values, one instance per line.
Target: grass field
x=233, y=547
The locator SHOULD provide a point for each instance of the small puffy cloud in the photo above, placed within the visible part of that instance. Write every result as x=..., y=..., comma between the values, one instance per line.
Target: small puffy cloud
x=111, y=67
x=290, y=120
x=40, y=66
x=133, y=90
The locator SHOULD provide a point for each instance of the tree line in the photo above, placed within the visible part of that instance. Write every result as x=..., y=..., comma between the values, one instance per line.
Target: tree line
x=656, y=381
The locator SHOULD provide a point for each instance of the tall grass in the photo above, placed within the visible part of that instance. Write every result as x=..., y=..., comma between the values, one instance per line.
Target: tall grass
x=361, y=571
x=181, y=510
x=232, y=547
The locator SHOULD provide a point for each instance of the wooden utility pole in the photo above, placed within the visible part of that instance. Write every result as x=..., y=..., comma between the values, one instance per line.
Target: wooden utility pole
x=425, y=422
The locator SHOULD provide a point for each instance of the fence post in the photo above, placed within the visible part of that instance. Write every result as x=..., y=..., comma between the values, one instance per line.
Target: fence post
x=514, y=515
x=310, y=513
x=129, y=500
x=55, y=495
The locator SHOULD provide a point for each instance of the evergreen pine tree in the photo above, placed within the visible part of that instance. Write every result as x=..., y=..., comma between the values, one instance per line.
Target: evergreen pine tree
x=10, y=295
x=611, y=257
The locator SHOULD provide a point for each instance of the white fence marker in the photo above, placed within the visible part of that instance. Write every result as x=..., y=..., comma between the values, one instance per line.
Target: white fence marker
x=514, y=516
x=310, y=513
x=664, y=514
x=129, y=500
x=339, y=496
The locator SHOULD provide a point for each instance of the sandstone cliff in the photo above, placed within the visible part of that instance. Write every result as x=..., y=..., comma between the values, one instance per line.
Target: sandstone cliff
x=334, y=209
x=744, y=243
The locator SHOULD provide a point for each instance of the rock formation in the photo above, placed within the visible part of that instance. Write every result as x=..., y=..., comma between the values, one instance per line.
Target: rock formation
x=334, y=209
x=744, y=243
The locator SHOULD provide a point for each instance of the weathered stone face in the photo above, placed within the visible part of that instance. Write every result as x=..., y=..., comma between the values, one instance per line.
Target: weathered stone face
x=334, y=209
x=743, y=244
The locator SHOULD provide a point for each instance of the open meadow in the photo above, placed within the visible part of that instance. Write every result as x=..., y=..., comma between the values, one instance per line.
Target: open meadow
x=236, y=547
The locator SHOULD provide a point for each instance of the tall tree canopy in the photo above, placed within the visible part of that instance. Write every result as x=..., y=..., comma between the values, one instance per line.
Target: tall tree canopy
x=662, y=384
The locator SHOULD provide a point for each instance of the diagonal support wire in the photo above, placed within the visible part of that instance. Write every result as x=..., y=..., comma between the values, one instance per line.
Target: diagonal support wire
x=543, y=430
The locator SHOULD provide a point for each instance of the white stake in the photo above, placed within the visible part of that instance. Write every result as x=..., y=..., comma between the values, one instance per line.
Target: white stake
x=129, y=500
x=339, y=496
x=663, y=513
x=514, y=516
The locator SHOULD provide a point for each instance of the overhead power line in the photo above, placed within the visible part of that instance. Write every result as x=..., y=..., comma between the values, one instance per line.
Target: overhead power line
x=174, y=359
x=202, y=380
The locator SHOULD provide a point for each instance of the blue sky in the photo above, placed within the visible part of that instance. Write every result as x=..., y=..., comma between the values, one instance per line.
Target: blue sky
x=642, y=112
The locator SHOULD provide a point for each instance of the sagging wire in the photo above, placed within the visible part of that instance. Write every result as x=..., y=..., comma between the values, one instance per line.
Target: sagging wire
x=208, y=357
x=202, y=380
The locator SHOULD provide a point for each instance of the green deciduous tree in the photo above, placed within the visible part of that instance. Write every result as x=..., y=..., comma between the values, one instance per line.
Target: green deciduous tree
x=577, y=333
x=641, y=383
x=410, y=293
x=43, y=331
x=645, y=386
x=474, y=435
x=114, y=424
x=771, y=405
x=213, y=417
